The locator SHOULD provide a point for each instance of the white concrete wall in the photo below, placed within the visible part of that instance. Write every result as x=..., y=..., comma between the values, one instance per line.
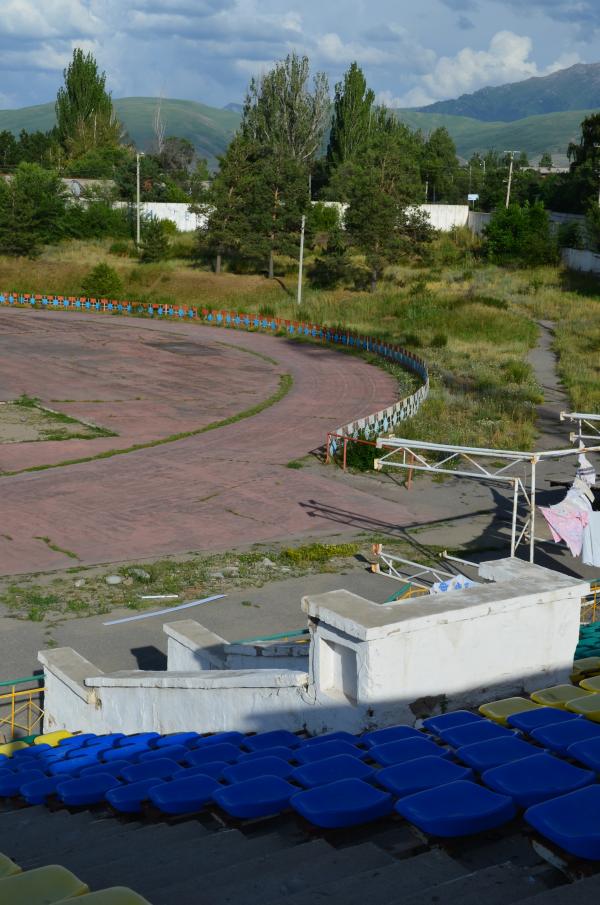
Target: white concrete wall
x=583, y=261
x=370, y=665
x=446, y=217
x=178, y=212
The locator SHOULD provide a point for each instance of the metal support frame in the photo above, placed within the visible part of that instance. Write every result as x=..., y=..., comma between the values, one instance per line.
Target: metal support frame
x=492, y=465
x=591, y=422
x=388, y=565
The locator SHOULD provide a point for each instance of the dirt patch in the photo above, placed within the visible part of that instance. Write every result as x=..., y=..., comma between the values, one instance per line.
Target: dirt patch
x=27, y=423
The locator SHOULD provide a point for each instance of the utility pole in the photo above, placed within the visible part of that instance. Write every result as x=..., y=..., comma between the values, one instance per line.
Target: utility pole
x=301, y=261
x=137, y=200
x=510, y=177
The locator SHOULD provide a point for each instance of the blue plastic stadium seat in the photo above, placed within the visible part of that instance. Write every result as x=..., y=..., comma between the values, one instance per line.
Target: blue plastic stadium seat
x=225, y=752
x=130, y=753
x=184, y=796
x=321, y=772
x=261, y=797
x=456, y=809
x=115, y=768
x=84, y=751
x=10, y=784
x=90, y=790
x=176, y=738
x=140, y=738
x=37, y=791
x=278, y=751
x=111, y=738
x=560, y=736
x=348, y=802
x=219, y=738
x=485, y=755
x=420, y=774
x=313, y=753
x=571, y=822
x=129, y=799
x=72, y=766
x=586, y=752
x=159, y=768
x=537, y=778
x=407, y=749
x=529, y=720
x=177, y=753
x=458, y=736
x=443, y=721
x=271, y=740
x=262, y=766
x=330, y=737
x=213, y=769
x=391, y=734
x=75, y=741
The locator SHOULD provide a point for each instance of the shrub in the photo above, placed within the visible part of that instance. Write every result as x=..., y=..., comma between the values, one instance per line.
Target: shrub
x=154, y=245
x=439, y=341
x=570, y=235
x=521, y=235
x=120, y=249
x=517, y=371
x=102, y=282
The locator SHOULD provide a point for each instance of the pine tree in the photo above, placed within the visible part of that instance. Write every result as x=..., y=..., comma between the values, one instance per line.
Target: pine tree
x=154, y=245
x=32, y=209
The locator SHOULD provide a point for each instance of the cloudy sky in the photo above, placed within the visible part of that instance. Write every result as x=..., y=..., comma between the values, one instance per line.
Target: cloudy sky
x=206, y=50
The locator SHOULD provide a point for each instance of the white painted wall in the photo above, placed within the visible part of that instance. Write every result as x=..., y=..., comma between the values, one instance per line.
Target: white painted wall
x=583, y=261
x=178, y=212
x=370, y=665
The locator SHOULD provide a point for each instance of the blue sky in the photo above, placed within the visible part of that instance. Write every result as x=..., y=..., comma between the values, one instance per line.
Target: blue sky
x=206, y=50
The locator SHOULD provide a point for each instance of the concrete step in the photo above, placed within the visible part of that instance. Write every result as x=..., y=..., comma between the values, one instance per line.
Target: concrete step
x=34, y=847
x=499, y=885
x=272, y=878
x=157, y=869
x=582, y=892
x=411, y=875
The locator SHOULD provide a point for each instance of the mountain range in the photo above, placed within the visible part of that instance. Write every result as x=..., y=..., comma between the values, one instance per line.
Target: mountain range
x=535, y=115
x=575, y=88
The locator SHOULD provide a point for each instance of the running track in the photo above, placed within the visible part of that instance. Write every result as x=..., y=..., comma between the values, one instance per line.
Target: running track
x=222, y=489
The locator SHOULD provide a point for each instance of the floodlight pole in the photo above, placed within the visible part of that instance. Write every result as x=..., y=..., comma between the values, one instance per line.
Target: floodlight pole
x=301, y=261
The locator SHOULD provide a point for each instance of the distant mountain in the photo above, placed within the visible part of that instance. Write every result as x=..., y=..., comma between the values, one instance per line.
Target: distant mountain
x=208, y=128
x=576, y=88
x=236, y=108
x=534, y=135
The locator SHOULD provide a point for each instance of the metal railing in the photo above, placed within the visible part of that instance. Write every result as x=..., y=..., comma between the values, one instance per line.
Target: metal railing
x=21, y=709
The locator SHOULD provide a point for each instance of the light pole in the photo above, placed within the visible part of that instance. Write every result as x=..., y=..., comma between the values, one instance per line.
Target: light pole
x=510, y=177
x=300, y=262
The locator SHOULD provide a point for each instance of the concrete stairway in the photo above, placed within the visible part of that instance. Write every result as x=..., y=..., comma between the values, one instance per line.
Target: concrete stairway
x=265, y=863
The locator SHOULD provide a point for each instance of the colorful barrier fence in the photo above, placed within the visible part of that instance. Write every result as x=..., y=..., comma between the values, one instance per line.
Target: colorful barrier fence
x=378, y=423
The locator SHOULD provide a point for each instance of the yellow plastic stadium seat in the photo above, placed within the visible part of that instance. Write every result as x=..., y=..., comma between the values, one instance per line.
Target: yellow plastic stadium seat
x=116, y=895
x=588, y=706
x=500, y=710
x=587, y=666
x=8, y=868
x=9, y=747
x=592, y=683
x=41, y=886
x=558, y=695
x=52, y=738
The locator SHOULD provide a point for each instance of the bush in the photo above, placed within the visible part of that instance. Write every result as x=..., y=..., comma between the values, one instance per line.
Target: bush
x=517, y=371
x=439, y=341
x=102, y=282
x=521, y=235
x=120, y=249
x=570, y=235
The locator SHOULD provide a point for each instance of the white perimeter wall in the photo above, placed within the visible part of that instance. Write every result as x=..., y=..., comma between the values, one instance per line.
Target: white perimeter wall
x=584, y=261
x=178, y=212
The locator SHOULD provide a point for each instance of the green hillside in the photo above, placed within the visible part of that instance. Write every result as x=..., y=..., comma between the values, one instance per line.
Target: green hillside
x=208, y=128
x=535, y=134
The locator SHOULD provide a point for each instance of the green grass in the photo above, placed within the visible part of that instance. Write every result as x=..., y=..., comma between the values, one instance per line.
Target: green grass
x=52, y=546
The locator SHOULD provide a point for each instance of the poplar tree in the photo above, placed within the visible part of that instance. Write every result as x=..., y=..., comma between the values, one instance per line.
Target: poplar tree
x=352, y=117
x=85, y=118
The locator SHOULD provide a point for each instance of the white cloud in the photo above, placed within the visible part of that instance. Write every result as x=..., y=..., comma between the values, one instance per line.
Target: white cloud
x=27, y=19
x=331, y=49
x=508, y=59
